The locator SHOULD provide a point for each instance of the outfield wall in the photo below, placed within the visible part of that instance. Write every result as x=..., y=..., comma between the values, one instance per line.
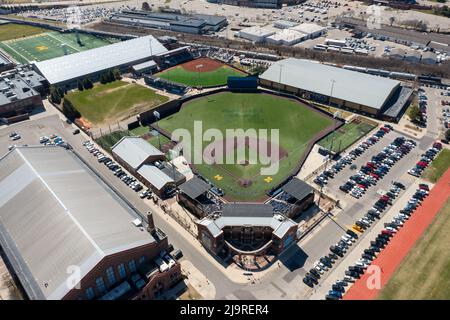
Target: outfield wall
x=172, y=107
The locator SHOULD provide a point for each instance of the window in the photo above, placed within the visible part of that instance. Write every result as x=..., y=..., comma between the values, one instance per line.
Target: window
x=90, y=294
x=141, y=260
x=100, y=284
x=122, y=271
x=111, y=276
x=132, y=266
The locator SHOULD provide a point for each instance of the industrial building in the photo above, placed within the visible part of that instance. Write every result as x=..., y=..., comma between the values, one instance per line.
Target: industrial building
x=246, y=229
x=256, y=33
x=193, y=23
x=58, y=219
x=65, y=71
x=289, y=35
x=20, y=92
x=358, y=92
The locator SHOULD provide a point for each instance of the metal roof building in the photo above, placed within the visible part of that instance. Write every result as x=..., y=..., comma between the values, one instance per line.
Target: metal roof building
x=155, y=176
x=49, y=221
x=67, y=69
x=354, y=90
x=135, y=151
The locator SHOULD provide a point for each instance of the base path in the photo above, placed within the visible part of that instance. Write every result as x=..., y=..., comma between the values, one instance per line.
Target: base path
x=392, y=256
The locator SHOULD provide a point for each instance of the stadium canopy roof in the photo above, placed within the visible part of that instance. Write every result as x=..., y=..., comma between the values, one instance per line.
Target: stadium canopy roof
x=135, y=151
x=55, y=213
x=356, y=87
x=194, y=187
x=297, y=188
x=87, y=62
x=247, y=210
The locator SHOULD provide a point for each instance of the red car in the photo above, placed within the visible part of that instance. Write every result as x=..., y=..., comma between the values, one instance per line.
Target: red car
x=422, y=164
x=424, y=187
x=374, y=175
x=387, y=232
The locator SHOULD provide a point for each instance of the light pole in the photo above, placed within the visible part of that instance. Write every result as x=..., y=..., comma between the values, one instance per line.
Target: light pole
x=151, y=49
x=279, y=79
x=198, y=67
x=157, y=117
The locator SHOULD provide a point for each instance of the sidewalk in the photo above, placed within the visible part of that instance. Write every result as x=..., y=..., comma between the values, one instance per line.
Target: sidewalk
x=198, y=280
x=392, y=256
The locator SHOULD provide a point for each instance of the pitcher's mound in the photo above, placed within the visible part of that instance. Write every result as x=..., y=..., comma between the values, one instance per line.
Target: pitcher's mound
x=244, y=183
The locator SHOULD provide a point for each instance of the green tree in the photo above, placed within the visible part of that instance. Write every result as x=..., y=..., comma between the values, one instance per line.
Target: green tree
x=110, y=76
x=80, y=85
x=69, y=110
x=414, y=113
x=103, y=78
x=55, y=94
x=116, y=73
x=87, y=83
x=146, y=6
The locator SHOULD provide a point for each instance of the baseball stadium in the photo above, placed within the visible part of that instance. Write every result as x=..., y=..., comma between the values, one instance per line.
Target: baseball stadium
x=299, y=127
x=202, y=72
x=37, y=44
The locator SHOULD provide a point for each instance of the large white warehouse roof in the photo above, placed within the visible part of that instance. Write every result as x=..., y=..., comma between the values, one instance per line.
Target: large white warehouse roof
x=356, y=87
x=87, y=62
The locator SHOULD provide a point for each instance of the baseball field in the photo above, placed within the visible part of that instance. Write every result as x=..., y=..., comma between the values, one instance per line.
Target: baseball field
x=26, y=43
x=106, y=103
x=241, y=179
x=203, y=72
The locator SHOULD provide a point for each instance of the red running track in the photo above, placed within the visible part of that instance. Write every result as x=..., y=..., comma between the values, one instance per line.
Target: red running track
x=392, y=256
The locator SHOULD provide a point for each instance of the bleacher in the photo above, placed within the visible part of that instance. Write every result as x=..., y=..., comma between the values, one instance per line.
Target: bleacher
x=173, y=57
x=283, y=203
x=209, y=204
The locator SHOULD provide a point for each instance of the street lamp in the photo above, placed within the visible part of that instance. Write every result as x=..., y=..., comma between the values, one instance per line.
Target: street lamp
x=279, y=79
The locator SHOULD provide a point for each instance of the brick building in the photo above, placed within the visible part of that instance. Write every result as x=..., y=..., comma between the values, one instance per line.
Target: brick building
x=67, y=235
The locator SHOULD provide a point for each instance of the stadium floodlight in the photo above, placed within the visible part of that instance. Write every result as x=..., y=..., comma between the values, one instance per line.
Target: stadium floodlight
x=157, y=116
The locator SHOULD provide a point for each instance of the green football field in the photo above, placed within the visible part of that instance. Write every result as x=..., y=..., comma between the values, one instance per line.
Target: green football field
x=297, y=124
x=48, y=45
x=217, y=77
x=106, y=103
x=345, y=136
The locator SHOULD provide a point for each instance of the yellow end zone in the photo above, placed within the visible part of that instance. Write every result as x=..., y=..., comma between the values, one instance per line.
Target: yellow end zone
x=41, y=48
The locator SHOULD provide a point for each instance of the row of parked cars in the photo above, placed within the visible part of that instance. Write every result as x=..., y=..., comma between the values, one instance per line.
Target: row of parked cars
x=355, y=271
x=113, y=166
x=422, y=119
x=379, y=165
x=425, y=159
x=323, y=178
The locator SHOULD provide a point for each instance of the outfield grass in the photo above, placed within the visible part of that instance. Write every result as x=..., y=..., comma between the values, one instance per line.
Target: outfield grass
x=114, y=101
x=297, y=125
x=425, y=272
x=14, y=31
x=217, y=77
x=438, y=166
x=345, y=136
x=48, y=45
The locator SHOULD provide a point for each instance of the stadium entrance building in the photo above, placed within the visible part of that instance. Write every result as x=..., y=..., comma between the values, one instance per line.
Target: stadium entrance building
x=246, y=229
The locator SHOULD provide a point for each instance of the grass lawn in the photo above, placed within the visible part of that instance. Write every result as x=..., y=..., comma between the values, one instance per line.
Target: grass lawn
x=297, y=125
x=438, y=166
x=204, y=79
x=14, y=31
x=114, y=101
x=345, y=136
x=425, y=272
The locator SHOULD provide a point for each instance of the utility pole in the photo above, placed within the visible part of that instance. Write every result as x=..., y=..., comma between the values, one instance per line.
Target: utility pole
x=157, y=117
